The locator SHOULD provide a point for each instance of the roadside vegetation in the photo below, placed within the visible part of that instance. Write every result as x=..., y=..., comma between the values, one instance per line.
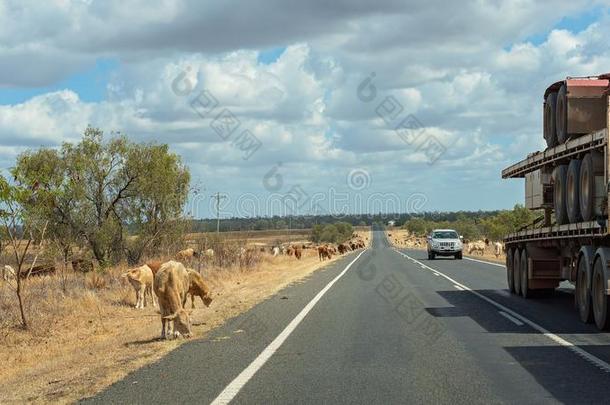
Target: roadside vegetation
x=472, y=227
x=332, y=233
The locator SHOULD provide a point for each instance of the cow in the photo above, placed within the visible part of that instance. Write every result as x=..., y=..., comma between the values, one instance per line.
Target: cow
x=478, y=246
x=198, y=287
x=209, y=254
x=275, y=251
x=324, y=253
x=297, y=253
x=342, y=248
x=141, y=279
x=171, y=285
x=154, y=265
x=186, y=256
x=8, y=273
x=498, y=248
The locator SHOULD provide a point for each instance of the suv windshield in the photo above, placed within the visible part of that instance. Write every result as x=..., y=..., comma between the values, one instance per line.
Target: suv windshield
x=444, y=235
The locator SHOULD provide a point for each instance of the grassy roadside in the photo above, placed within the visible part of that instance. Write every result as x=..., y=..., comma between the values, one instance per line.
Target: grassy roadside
x=87, y=335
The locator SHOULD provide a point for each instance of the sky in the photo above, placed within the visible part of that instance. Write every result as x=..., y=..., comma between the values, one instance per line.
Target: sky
x=292, y=107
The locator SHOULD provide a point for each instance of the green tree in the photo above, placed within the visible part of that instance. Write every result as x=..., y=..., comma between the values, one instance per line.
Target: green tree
x=99, y=189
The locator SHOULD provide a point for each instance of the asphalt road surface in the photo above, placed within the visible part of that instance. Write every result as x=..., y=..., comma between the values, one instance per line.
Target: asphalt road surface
x=393, y=327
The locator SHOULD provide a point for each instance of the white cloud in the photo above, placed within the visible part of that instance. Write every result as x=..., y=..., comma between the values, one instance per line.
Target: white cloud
x=475, y=82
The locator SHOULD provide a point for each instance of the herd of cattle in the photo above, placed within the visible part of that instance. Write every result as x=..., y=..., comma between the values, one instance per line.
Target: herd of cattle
x=471, y=247
x=168, y=284
x=171, y=282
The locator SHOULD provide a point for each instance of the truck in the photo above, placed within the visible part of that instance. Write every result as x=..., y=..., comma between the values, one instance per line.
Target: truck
x=567, y=183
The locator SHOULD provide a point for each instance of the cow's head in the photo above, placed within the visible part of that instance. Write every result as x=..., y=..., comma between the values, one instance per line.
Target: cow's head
x=182, y=322
x=207, y=300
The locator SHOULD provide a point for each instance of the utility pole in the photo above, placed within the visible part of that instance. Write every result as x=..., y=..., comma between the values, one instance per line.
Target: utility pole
x=218, y=197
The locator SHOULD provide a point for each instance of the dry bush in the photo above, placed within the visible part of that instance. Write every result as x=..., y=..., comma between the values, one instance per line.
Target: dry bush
x=95, y=281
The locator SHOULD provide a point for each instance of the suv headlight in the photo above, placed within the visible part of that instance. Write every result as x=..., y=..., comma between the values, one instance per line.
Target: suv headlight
x=435, y=244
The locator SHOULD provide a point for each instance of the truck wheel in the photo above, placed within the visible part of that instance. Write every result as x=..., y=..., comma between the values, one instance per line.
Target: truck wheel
x=517, y=271
x=582, y=295
x=431, y=256
x=561, y=115
x=525, y=291
x=559, y=194
x=458, y=256
x=573, y=191
x=550, y=106
x=592, y=165
x=509, y=270
x=599, y=297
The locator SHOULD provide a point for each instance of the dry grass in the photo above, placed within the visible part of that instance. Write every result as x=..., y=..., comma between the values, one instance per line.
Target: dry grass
x=85, y=333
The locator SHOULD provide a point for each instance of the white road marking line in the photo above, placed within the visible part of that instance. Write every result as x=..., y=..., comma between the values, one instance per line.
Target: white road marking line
x=436, y=274
x=458, y=287
x=484, y=262
x=511, y=318
x=238, y=383
x=557, y=339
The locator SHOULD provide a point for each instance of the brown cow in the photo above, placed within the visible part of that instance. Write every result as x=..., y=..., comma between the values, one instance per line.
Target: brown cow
x=198, y=287
x=297, y=253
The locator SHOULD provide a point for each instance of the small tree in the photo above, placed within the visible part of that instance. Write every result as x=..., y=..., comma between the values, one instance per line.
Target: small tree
x=22, y=227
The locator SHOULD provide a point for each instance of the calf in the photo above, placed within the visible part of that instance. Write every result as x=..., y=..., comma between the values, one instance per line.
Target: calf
x=498, y=248
x=186, y=255
x=171, y=285
x=141, y=279
x=478, y=246
x=198, y=287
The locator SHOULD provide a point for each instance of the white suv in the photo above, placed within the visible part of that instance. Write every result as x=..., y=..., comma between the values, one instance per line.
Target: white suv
x=444, y=242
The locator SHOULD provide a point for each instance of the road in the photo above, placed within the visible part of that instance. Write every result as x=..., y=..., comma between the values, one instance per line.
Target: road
x=392, y=328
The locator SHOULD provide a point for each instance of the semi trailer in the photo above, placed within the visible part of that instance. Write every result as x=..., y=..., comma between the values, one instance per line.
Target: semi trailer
x=568, y=184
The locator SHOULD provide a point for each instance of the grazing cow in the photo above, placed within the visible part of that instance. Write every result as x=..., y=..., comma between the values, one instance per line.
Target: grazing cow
x=186, y=256
x=324, y=253
x=498, y=248
x=297, y=253
x=82, y=265
x=478, y=246
x=8, y=273
x=172, y=285
x=342, y=248
x=275, y=251
x=290, y=251
x=198, y=287
x=141, y=279
x=209, y=254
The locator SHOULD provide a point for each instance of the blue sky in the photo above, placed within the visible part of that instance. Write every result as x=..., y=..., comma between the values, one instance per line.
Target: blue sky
x=473, y=74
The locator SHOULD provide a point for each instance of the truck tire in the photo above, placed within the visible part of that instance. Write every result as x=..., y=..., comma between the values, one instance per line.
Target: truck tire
x=573, y=191
x=561, y=115
x=592, y=165
x=550, y=106
x=516, y=271
x=582, y=293
x=559, y=194
x=598, y=295
x=458, y=256
x=525, y=291
x=509, y=270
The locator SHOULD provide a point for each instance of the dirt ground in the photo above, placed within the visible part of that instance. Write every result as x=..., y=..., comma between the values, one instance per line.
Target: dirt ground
x=85, y=333
x=398, y=237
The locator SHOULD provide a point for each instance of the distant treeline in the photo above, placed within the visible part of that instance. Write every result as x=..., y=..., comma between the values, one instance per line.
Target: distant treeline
x=471, y=224
x=494, y=226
